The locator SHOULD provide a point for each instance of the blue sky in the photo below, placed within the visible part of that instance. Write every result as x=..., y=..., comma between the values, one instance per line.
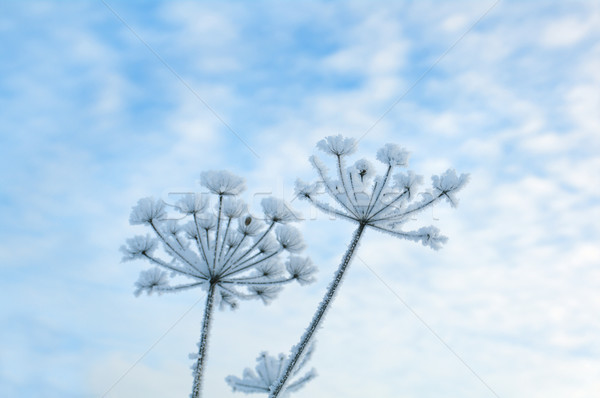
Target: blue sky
x=91, y=120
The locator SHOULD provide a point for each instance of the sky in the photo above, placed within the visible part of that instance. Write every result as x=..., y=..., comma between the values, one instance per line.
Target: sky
x=105, y=102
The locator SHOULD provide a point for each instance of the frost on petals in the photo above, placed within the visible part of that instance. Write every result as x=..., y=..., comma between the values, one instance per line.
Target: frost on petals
x=222, y=182
x=233, y=208
x=268, y=269
x=267, y=371
x=277, y=211
x=290, y=238
x=431, y=237
x=151, y=280
x=428, y=236
x=301, y=269
x=364, y=170
x=265, y=293
x=408, y=182
x=138, y=247
x=448, y=184
x=192, y=203
x=146, y=211
x=268, y=245
x=393, y=155
x=207, y=222
x=249, y=226
x=304, y=190
x=337, y=145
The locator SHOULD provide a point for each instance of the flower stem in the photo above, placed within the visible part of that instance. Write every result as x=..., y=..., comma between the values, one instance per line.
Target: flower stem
x=299, y=349
x=217, y=236
x=202, y=346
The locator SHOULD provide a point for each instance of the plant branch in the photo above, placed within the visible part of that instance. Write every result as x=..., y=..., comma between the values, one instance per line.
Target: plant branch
x=214, y=265
x=174, y=249
x=299, y=349
x=199, y=240
x=163, y=264
x=202, y=346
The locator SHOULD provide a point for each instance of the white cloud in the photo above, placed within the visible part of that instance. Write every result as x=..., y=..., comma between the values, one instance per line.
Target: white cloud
x=564, y=32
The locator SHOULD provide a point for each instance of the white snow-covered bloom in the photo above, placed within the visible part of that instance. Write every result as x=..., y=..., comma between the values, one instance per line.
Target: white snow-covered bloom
x=220, y=248
x=409, y=182
x=301, y=268
x=222, y=182
x=384, y=206
x=267, y=371
x=276, y=210
x=192, y=203
x=206, y=222
x=233, y=208
x=337, y=145
x=138, y=247
x=269, y=269
x=264, y=292
x=364, y=171
x=146, y=211
x=151, y=280
x=374, y=203
x=268, y=245
x=306, y=190
x=393, y=155
x=448, y=184
x=249, y=226
x=290, y=238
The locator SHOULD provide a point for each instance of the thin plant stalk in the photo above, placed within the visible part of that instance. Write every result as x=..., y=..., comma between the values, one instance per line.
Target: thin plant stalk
x=203, y=345
x=318, y=317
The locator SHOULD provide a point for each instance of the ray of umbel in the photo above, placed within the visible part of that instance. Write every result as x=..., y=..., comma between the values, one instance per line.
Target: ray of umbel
x=383, y=203
x=221, y=249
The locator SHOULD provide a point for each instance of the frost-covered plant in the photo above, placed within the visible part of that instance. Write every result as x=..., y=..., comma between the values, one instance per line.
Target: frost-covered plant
x=268, y=371
x=383, y=202
x=223, y=250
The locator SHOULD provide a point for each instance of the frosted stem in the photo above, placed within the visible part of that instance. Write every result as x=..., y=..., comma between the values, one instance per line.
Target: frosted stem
x=257, y=241
x=381, y=188
x=343, y=179
x=297, y=352
x=224, y=240
x=202, y=346
x=199, y=240
x=217, y=236
x=174, y=249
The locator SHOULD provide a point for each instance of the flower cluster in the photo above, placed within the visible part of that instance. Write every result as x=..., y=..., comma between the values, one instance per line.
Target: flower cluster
x=221, y=245
x=383, y=202
x=268, y=371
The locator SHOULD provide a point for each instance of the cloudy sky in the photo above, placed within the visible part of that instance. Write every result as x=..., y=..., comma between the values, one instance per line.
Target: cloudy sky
x=105, y=102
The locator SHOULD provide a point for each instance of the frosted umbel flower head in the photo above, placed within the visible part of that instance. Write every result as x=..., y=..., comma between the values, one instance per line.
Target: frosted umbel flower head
x=388, y=202
x=222, y=182
x=382, y=202
x=267, y=371
x=219, y=247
